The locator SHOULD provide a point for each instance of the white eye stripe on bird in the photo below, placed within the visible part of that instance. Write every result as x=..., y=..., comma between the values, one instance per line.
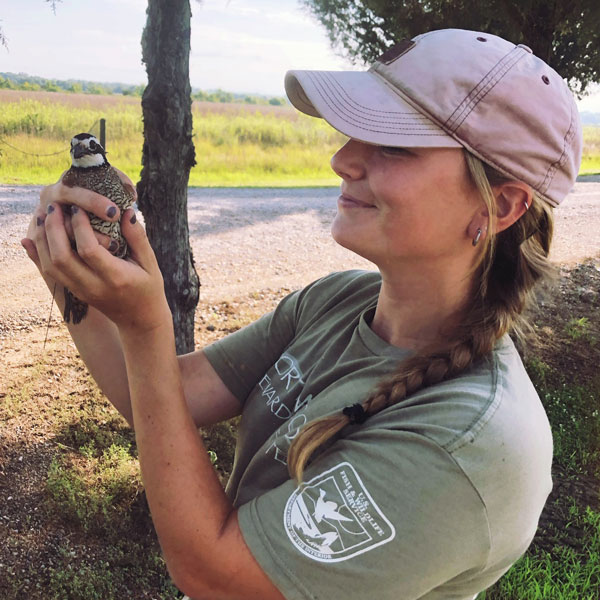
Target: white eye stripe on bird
x=87, y=141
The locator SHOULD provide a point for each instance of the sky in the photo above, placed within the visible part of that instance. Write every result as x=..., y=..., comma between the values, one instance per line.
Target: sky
x=241, y=46
x=236, y=45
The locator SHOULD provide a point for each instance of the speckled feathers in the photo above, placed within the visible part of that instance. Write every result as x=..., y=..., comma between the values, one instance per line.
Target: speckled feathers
x=90, y=170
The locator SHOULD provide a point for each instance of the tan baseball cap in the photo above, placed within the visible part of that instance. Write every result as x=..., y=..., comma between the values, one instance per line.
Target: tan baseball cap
x=453, y=88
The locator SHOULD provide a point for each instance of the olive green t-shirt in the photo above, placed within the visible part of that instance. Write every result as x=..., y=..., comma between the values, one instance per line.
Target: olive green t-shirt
x=434, y=497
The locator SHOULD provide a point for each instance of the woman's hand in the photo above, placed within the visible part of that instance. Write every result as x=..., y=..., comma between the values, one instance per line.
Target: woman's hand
x=129, y=292
x=66, y=196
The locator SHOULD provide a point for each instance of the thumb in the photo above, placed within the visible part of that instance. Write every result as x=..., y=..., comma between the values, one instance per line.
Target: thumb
x=138, y=242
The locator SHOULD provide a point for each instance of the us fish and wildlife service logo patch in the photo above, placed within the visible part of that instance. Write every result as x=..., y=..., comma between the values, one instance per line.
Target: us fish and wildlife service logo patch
x=332, y=517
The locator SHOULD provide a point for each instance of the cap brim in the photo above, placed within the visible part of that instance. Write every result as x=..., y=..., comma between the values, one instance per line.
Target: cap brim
x=360, y=105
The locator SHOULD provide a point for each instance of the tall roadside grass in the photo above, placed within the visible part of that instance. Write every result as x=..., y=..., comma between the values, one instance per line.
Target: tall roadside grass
x=590, y=163
x=235, y=146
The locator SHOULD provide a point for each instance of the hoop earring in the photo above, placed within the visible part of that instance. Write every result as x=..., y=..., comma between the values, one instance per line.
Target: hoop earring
x=526, y=205
x=477, y=237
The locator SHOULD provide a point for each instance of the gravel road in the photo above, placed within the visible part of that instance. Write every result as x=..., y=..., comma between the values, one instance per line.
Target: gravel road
x=247, y=240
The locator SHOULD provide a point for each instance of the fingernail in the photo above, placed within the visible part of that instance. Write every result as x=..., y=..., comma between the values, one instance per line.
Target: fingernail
x=50, y=208
x=133, y=219
x=111, y=211
x=113, y=246
x=39, y=221
x=74, y=209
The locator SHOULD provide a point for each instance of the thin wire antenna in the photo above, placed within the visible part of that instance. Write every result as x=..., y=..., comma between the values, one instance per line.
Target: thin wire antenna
x=49, y=317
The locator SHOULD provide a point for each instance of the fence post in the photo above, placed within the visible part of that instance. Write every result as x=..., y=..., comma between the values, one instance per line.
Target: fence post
x=103, y=133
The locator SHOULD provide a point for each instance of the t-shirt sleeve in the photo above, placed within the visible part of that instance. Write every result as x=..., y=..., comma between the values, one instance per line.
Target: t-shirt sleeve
x=241, y=358
x=382, y=513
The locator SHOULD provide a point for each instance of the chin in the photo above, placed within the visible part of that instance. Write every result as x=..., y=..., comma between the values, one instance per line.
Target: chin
x=344, y=236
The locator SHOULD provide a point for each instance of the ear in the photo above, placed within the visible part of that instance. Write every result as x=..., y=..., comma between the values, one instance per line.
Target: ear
x=513, y=199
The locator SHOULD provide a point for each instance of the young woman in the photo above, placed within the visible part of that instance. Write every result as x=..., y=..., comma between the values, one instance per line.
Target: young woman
x=391, y=444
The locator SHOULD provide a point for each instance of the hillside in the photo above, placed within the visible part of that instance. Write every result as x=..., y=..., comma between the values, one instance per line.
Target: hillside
x=25, y=82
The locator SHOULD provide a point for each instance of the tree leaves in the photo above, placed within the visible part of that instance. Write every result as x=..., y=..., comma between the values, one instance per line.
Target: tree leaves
x=564, y=33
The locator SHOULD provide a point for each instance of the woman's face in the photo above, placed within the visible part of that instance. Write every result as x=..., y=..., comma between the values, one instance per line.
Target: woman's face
x=404, y=205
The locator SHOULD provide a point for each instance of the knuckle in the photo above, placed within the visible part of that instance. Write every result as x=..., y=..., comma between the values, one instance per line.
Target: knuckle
x=118, y=282
x=60, y=259
x=87, y=251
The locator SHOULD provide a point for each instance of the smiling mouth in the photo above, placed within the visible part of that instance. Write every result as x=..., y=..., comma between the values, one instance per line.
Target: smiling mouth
x=348, y=201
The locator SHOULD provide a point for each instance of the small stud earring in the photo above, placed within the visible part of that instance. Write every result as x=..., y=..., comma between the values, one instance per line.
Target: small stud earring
x=526, y=205
x=477, y=237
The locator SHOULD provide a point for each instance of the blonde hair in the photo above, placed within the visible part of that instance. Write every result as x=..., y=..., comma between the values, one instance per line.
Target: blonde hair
x=510, y=265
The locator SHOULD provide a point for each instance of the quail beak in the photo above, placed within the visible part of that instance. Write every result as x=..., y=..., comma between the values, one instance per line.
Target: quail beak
x=79, y=151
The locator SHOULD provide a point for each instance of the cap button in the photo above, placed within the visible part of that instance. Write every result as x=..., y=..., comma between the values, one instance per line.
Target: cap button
x=526, y=48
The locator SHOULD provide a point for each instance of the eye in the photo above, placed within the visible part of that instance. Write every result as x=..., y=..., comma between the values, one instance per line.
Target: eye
x=92, y=145
x=395, y=150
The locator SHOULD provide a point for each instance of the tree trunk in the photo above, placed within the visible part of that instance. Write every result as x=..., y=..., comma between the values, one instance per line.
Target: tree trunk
x=168, y=155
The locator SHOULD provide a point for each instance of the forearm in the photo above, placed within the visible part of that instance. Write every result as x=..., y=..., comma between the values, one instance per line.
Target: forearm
x=187, y=502
x=98, y=343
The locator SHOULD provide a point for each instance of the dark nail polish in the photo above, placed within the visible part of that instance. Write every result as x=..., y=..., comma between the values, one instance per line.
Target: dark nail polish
x=40, y=221
x=111, y=211
x=50, y=208
x=113, y=246
x=74, y=209
x=133, y=219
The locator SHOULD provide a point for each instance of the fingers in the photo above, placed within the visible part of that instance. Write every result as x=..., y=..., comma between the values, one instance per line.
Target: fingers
x=103, y=240
x=90, y=201
x=139, y=246
x=53, y=244
x=31, y=250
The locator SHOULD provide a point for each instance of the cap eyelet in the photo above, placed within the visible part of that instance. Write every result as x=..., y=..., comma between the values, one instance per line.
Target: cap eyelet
x=481, y=39
x=545, y=79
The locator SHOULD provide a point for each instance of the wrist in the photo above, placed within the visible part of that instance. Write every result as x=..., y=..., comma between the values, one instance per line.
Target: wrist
x=158, y=328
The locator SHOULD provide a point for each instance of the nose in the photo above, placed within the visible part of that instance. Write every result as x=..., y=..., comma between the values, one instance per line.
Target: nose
x=349, y=162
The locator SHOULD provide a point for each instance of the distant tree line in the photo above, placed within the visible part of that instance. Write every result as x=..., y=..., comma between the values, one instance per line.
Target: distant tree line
x=22, y=81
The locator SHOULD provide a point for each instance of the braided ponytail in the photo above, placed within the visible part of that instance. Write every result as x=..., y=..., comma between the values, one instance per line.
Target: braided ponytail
x=510, y=265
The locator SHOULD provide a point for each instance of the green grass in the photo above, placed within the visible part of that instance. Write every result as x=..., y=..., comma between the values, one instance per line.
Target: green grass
x=106, y=579
x=94, y=488
x=242, y=148
x=574, y=416
x=562, y=575
x=590, y=162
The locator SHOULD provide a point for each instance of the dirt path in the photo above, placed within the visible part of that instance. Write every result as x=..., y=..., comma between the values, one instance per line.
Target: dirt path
x=248, y=240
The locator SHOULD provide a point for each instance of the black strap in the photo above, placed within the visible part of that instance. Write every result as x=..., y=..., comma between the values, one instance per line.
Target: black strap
x=356, y=413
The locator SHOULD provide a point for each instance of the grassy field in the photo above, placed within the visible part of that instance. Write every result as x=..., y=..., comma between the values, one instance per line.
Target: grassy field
x=236, y=145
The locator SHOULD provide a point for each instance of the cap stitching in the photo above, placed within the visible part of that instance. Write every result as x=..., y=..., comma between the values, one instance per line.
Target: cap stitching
x=362, y=108
x=329, y=94
x=363, y=122
x=485, y=85
x=562, y=158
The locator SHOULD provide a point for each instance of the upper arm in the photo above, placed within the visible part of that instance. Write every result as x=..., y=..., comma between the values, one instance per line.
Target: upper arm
x=208, y=399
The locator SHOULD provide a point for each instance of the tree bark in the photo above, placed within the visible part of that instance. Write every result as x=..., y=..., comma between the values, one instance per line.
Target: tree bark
x=168, y=155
